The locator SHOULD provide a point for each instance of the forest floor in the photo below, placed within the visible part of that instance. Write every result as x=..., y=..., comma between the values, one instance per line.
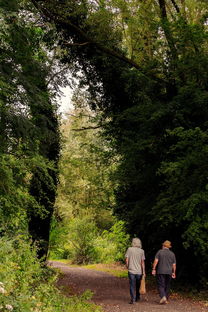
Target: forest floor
x=112, y=293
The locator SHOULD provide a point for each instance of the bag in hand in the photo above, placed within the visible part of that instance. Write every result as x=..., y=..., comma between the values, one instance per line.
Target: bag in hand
x=142, y=289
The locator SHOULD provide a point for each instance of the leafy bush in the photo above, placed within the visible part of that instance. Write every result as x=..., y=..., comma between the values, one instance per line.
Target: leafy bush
x=112, y=244
x=182, y=204
x=83, y=244
x=58, y=245
x=82, y=233
x=27, y=286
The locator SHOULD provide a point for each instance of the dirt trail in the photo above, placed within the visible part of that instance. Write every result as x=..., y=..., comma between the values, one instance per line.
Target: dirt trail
x=112, y=293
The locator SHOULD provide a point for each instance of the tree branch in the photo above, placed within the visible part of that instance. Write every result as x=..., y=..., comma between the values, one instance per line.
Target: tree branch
x=163, y=11
x=166, y=28
x=55, y=75
x=99, y=46
x=88, y=128
x=175, y=6
x=75, y=44
x=66, y=23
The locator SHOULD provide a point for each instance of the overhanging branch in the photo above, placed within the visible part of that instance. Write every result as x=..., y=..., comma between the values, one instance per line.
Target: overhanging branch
x=66, y=23
x=88, y=128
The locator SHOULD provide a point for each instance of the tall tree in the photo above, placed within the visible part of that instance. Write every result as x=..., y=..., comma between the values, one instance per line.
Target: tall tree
x=147, y=71
x=86, y=167
x=29, y=124
x=85, y=193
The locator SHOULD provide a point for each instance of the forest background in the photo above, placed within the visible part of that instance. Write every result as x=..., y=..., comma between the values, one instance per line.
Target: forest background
x=133, y=161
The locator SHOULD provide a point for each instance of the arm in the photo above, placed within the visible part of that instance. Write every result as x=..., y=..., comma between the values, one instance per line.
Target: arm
x=154, y=266
x=174, y=270
x=127, y=258
x=127, y=262
x=143, y=267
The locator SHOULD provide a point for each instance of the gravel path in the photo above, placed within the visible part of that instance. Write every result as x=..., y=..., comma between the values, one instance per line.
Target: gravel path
x=112, y=293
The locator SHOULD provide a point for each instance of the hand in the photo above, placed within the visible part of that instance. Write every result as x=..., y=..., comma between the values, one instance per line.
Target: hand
x=173, y=275
x=144, y=274
x=153, y=272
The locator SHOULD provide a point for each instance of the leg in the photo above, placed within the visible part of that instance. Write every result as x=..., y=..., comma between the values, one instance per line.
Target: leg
x=132, y=285
x=167, y=284
x=138, y=282
x=161, y=285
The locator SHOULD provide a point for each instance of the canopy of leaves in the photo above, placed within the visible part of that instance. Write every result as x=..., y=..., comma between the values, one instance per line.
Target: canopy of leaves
x=146, y=71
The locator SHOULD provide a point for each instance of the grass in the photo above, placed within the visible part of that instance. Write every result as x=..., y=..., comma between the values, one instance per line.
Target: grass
x=114, y=269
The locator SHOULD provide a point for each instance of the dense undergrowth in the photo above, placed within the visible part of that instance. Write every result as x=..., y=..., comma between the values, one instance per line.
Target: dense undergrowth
x=82, y=242
x=28, y=286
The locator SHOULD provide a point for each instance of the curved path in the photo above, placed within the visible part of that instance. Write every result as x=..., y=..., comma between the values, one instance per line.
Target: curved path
x=112, y=293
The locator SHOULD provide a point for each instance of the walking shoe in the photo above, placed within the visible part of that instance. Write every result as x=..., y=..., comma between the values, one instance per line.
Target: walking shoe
x=131, y=302
x=137, y=297
x=163, y=300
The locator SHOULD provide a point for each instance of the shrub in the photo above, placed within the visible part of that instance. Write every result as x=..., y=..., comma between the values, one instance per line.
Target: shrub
x=83, y=244
x=112, y=244
x=82, y=234
x=27, y=286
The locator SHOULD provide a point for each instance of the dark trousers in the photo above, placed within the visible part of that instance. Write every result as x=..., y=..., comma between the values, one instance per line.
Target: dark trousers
x=134, y=280
x=163, y=284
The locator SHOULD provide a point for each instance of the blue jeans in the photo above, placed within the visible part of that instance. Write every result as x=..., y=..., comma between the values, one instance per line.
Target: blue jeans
x=134, y=280
x=163, y=284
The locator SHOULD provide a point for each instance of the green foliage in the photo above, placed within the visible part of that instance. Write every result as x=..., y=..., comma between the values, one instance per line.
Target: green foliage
x=14, y=189
x=28, y=123
x=28, y=286
x=87, y=232
x=111, y=245
x=150, y=83
x=85, y=168
x=58, y=240
x=184, y=197
x=82, y=233
x=81, y=243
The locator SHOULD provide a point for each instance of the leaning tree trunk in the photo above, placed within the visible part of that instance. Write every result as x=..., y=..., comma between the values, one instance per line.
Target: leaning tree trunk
x=44, y=180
